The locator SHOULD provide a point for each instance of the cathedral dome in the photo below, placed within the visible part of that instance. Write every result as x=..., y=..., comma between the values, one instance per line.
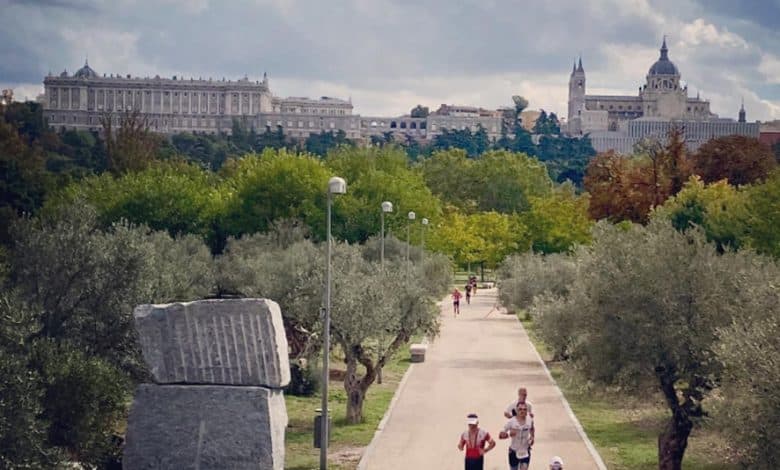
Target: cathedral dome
x=85, y=72
x=663, y=66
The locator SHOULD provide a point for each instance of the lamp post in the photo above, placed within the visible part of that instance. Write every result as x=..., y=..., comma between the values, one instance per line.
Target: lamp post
x=411, y=216
x=336, y=185
x=422, y=237
x=387, y=206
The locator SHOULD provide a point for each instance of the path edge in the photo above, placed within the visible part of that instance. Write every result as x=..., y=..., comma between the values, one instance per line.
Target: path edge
x=577, y=425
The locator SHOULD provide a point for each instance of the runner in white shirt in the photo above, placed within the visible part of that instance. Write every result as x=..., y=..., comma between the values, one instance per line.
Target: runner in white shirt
x=521, y=430
x=522, y=393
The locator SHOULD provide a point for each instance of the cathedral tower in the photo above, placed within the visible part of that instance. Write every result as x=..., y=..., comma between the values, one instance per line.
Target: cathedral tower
x=576, y=91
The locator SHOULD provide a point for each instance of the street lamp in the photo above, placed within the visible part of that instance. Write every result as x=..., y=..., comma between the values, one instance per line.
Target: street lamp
x=412, y=216
x=422, y=237
x=336, y=185
x=387, y=206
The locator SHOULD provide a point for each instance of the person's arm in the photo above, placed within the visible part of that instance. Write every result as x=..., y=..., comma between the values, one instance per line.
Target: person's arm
x=461, y=443
x=533, y=433
x=490, y=444
x=508, y=411
x=503, y=434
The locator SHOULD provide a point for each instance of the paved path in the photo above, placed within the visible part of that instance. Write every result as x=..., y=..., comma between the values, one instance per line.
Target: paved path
x=475, y=365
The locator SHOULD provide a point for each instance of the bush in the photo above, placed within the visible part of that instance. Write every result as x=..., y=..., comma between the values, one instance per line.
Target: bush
x=523, y=277
x=304, y=379
x=84, y=401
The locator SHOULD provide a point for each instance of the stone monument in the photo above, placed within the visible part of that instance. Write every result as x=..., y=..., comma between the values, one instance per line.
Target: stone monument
x=219, y=367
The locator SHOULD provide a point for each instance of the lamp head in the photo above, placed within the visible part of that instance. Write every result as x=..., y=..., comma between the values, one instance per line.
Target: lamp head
x=412, y=215
x=387, y=206
x=424, y=221
x=337, y=185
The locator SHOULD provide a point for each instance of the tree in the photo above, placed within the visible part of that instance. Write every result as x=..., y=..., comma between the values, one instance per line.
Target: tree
x=547, y=125
x=718, y=208
x=320, y=144
x=374, y=313
x=130, y=146
x=505, y=181
x=739, y=159
x=375, y=175
x=763, y=216
x=751, y=380
x=646, y=305
x=276, y=184
x=419, y=111
x=450, y=176
x=558, y=222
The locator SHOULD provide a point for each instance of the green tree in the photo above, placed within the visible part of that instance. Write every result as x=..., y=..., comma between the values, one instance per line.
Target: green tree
x=419, y=111
x=558, y=222
x=718, y=208
x=505, y=181
x=130, y=145
x=646, y=305
x=763, y=215
x=260, y=189
x=450, y=176
x=374, y=175
x=320, y=144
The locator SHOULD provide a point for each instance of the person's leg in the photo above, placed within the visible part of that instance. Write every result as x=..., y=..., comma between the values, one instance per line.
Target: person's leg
x=525, y=462
x=513, y=460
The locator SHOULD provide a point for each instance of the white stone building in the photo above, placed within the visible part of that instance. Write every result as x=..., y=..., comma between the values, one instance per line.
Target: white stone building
x=618, y=122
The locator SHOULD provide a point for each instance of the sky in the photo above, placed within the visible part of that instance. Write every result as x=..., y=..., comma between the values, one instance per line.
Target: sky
x=390, y=55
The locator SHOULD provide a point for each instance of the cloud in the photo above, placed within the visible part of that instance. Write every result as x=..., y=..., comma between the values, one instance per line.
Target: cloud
x=391, y=54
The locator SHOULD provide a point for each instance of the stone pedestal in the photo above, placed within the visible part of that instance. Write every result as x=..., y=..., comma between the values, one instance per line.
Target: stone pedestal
x=206, y=427
x=418, y=352
x=219, y=366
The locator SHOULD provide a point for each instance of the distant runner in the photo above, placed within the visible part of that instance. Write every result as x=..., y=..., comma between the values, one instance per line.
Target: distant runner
x=468, y=293
x=456, y=295
x=477, y=442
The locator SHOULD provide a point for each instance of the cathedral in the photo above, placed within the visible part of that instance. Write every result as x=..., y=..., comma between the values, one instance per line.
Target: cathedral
x=617, y=122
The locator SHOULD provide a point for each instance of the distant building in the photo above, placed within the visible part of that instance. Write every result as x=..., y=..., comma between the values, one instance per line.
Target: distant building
x=169, y=105
x=618, y=122
x=770, y=132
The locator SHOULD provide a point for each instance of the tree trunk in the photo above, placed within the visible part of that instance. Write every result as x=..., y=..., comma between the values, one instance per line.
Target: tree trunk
x=356, y=391
x=673, y=441
x=379, y=375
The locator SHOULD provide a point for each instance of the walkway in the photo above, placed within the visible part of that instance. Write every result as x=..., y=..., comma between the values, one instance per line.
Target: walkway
x=474, y=366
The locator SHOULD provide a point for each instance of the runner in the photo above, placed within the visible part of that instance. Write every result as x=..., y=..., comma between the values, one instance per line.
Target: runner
x=511, y=408
x=521, y=430
x=468, y=293
x=456, y=295
x=477, y=442
x=556, y=463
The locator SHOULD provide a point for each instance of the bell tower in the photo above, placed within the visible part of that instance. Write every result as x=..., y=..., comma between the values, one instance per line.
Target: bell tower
x=576, y=91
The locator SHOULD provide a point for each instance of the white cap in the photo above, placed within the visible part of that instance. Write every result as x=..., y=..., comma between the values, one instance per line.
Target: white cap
x=472, y=419
x=556, y=463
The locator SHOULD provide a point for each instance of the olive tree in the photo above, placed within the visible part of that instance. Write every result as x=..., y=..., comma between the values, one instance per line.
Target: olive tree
x=647, y=303
x=751, y=381
x=374, y=312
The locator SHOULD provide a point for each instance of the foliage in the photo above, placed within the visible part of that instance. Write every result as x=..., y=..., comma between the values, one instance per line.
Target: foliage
x=751, y=385
x=506, y=181
x=523, y=277
x=718, y=208
x=739, y=159
x=419, y=111
x=450, y=176
x=547, y=124
x=763, y=201
x=84, y=400
x=260, y=189
x=375, y=175
x=176, y=197
x=474, y=144
x=646, y=304
x=320, y=144
x=22, y=431
x=481, y=237
x=130, y=146
x=558, y=222
x=374, y=313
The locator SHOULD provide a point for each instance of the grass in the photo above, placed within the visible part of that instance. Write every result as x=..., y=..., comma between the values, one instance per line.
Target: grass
x=347, y=440
x=624, y=428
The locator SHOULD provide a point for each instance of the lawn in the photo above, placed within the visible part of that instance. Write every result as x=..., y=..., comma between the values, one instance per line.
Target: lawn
x=347, y=441
x=624, y=428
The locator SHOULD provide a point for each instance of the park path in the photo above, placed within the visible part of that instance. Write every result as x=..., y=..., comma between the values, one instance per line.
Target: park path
x=475, y=366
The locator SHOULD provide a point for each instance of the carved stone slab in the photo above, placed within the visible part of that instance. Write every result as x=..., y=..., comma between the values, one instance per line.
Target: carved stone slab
x=231, y=341
x=205, y=427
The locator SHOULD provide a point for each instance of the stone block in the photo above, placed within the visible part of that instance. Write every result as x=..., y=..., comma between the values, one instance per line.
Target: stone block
x=418, y=352
x=231, y=341
x=205, y=427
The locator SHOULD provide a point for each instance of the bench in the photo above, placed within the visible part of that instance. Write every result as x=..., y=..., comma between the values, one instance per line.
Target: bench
x=418, y=352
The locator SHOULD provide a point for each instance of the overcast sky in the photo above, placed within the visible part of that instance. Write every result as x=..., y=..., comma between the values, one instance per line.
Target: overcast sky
x=389, y=55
